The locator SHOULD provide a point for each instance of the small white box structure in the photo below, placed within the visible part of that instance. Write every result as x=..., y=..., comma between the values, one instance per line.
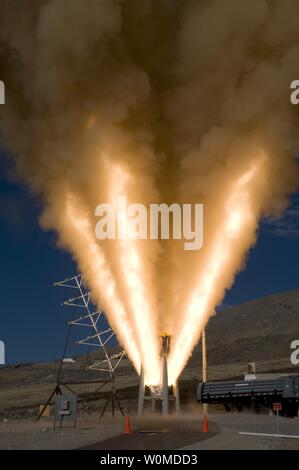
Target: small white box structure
x=2, y=92
x=69, y=360
x=251, y=371
x=249, y=377
x=2, y=353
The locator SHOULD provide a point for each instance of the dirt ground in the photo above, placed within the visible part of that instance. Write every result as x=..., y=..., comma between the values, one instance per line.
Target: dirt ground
x=27, y=434
x=152, y=433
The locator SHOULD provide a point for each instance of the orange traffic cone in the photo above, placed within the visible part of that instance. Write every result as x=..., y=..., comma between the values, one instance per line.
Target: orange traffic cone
x=205, y=427
x=128, y=428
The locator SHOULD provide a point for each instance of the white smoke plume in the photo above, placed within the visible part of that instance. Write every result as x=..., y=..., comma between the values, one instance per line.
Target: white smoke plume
x=159, y=100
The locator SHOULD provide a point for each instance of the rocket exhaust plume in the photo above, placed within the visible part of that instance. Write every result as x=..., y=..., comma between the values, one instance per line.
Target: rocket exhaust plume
x=158, y=101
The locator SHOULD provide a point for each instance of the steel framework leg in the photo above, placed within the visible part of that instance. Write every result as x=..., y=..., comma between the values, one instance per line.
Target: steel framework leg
x=176, y=393
x=141, y=393
x=165, y=391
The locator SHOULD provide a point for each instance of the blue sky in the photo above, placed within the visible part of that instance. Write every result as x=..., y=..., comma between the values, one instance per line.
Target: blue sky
x=32, y=324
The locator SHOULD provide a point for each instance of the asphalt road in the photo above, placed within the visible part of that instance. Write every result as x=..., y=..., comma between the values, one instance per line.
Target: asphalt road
x=154, y=433
x=185, y=433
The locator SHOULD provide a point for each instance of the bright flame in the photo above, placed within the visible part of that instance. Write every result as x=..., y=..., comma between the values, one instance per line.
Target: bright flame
x=131, y=265
x=98, y=274
x=238, y=219
x=135, y=318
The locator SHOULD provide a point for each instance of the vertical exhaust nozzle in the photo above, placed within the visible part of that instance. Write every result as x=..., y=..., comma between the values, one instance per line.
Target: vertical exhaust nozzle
x=165, y=343
x=165, y=391
x=141, y=393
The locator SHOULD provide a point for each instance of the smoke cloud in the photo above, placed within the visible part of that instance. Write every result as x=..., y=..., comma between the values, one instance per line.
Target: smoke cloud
x=161, y=101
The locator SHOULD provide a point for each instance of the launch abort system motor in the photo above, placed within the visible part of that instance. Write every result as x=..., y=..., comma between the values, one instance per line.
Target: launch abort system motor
x=162, y=393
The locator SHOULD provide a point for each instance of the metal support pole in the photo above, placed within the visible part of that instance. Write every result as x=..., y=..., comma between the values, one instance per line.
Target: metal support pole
x=165, y=395
x=176, y=393
x=153, y=405
x=204, y=365
x=141, y=393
